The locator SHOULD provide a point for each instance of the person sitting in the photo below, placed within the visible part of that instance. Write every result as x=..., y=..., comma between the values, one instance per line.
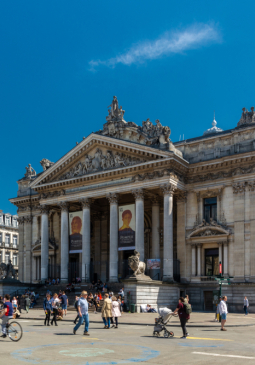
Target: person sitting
x=57, y=281
x=150, y=310
x=121, y=292
x=99, y=295
x=53, y=282
x=96, y=303
x=92, y=285
x=78, y=280
x=32, y=303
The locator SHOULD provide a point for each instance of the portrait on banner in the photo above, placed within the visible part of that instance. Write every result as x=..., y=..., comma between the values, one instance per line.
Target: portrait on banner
x=126, y=227
x=75, y=232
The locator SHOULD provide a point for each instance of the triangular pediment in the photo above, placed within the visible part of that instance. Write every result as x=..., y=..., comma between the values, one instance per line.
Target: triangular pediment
x=99, y=154
x=209, y=231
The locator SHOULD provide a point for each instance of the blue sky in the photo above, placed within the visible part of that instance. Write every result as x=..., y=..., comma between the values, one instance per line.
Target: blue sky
x=61, y=62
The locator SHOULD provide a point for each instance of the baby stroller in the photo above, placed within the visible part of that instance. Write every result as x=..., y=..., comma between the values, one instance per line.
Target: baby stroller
x=165, y=315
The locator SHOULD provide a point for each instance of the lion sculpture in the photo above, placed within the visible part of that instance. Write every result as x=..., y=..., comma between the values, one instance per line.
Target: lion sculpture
x=136, y=265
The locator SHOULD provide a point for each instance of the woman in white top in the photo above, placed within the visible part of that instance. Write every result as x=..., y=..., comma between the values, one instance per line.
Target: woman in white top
x=14, y=302
x=55, y=305
x=115, y=311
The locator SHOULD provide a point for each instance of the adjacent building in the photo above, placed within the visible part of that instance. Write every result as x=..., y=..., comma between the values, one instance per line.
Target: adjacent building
x=189, y=206
x=9, y=239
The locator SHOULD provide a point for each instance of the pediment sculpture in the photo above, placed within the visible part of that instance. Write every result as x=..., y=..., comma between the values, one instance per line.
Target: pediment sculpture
x=99, y=162
x=148, y=134
x=208, y=229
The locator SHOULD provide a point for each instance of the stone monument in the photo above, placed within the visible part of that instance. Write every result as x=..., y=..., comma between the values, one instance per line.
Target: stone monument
x=138, y=267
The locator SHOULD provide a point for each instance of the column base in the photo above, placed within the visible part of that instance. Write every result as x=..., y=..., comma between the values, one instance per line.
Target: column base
x=168, y=279
x=195, y=279
x=113, y=279
x=64, y=281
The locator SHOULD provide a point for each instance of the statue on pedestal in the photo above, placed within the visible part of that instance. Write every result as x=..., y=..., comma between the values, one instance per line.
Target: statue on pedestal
x=138, y=267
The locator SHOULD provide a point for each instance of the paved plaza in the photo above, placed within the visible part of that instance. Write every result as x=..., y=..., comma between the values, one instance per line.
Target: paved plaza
x=132, y=342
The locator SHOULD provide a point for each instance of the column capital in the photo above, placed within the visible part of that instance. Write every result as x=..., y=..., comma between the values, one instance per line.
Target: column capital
x=64, y=206
x=193, y=245
x=251, y=185
x=85, y=202
x=28, y=219
x=138, y=194
x=181, y=196
x=20, y=220
x=238, y=187
x=225, y=244
x=44, y=209
x=198, y=196
x=168, y=189
x=199, y=245
x=155, y=200
x=220, y=243
x=113, y=198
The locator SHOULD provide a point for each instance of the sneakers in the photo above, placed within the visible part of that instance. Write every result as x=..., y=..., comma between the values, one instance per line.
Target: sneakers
x=183, y=337
x=223, y=329
x=113, y=325
x=74, y=332
x=187, y=334
x=86, y=334
x=3, y=335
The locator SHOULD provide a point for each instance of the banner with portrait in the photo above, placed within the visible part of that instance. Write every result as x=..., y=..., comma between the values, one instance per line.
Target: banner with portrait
x=153, y=264
x=75, y=232
x=126, y=227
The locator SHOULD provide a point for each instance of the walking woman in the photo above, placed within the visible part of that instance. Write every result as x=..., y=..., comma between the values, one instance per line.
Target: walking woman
x=115, y=311
x=47, y=306
x=55, y=302
x=183, y=316
x=107, y=311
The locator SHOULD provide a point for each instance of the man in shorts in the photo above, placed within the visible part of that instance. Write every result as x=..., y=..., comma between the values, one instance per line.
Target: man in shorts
x=6, y=314
x=223, y=312
x=64, y=302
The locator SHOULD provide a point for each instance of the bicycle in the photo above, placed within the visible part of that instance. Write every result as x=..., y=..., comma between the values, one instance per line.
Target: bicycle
x=14, y=331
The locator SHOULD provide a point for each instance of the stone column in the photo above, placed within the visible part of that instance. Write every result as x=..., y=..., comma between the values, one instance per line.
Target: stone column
x=239, y=229
x=225, y=261
x=251, y=189
x=44, y=242
x=64, y=243
x=193, y=259
x=220, y=253
x=168, y=264
x=97, y=235
x=113, y=264
x=139, y=222
x=199, y=207
x=85, y=271
x=199, y=259
x=28, y=243
x=21, y=249
x=155, y=230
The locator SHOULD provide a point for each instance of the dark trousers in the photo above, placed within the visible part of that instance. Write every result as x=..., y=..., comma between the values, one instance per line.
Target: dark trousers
x=245, y=309
x=116, y=321
x=47, y=317
x=54, y=318
x=76, y=319
x=111, y=319
x=183, y=325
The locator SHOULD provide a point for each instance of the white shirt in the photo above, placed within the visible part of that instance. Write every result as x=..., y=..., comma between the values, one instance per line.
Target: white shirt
x=223, y=307
x=55, y=303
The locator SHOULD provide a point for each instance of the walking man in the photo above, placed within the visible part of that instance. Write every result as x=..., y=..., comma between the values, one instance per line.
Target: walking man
x=27, y=303
x=83, y=310
x=223, y=312
x=245, y=306
x=64, y=303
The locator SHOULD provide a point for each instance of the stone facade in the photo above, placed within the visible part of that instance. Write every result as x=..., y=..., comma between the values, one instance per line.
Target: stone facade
x=194, y=199
x=9, y=239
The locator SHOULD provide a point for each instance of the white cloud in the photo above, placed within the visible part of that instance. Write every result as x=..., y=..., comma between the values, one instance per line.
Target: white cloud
x=172, y=42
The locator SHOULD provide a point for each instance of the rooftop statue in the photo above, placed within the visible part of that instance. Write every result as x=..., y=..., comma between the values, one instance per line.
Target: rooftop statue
x=30, y=172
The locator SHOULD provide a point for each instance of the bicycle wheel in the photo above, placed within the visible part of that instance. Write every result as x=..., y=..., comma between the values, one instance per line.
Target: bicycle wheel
x=15, y=331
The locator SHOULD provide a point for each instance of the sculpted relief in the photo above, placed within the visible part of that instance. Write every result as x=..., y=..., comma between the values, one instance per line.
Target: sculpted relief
x=99, y=162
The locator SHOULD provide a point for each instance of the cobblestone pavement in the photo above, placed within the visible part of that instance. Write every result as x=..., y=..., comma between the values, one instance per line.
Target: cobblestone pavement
x=131, y=343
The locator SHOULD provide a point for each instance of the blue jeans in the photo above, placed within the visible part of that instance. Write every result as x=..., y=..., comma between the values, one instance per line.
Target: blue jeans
x=245, y=309
x=107, y=321
x=81, y=320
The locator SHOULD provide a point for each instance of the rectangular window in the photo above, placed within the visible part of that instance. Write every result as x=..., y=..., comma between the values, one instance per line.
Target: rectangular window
x=7, y=240
x=7, y=221
x=212, y=262
x=14, y=223
x=210, y=209
x=7, y=258
x=15, y=260
x=15, y=240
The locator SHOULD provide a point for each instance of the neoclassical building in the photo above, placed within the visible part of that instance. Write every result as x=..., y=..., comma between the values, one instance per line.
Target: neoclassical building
x=193, y=200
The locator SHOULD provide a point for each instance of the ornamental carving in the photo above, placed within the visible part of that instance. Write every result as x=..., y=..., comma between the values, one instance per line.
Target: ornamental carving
x=251, y=185
x=30, y=172
x=28, y=219
x=52, y=194
x=113, y=198
x=181, y=196
x=168, y=189
x=208, y=229
x=247, y=117
x=85, y=203
x=64, y=206
x=238, y=188
x=101, y=162
x=20, y=220
x=148, y=133
x=138, y=194
x=44, y=209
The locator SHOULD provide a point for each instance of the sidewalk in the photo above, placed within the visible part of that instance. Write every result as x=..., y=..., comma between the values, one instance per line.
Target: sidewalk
x=197, y=319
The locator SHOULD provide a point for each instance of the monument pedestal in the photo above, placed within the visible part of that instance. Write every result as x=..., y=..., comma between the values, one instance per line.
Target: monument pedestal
x=144, y=290
x=9, y=286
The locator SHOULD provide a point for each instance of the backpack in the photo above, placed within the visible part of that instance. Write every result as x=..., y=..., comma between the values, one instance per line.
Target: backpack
x=187, y=308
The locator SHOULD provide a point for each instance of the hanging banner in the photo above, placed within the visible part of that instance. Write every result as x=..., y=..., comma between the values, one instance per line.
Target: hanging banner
x=153, y=264
x=75, y=229
x=127, y=227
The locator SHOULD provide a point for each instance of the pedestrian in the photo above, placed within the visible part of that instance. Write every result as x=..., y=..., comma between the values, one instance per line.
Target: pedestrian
x=64, y=302
x=76, y=307
x=55, y=302
x=217, y=319
x=245, y=306
x=183, y=316
x=47, y=306
x=6, y=314
x=27, y=303
x=107, y=311
x=115, y=311
x=83, y=309
x=223, y=312
x=18, y=303
x=14, y=302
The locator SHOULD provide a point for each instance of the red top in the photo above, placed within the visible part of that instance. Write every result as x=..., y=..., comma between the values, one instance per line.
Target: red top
x=182, y=313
